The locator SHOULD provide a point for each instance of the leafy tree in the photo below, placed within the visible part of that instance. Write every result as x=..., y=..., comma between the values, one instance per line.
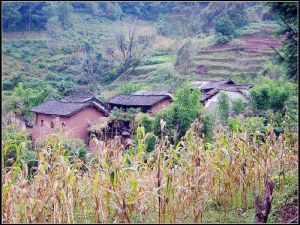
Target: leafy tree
x=286, y=15
x=238, y=15
x=11, y=15
x=271, y=94
x=223, y=107
x=179, y=116
x=24, y=16
x=225, y=27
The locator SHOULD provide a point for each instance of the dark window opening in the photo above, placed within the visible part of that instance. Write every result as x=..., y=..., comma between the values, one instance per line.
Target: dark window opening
x=42, y=122
x=52, y=124
x=63, y=124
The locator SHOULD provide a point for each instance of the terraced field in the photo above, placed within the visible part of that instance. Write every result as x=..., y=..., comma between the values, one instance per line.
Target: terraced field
x=248, y=56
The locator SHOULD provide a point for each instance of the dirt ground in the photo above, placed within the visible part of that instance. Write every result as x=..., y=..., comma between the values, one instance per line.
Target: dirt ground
x=288, y=213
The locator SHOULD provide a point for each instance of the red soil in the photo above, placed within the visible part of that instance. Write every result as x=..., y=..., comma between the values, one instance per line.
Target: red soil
x=253, y=42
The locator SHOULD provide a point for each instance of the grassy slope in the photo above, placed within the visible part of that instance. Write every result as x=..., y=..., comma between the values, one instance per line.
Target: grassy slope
x=28, y=53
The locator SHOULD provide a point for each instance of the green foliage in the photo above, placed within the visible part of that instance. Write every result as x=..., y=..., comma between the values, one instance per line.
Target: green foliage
x=208, y=126
x=148, y=123
x=16, y=141
x=238, y=106
x=223, y=107
x=21, y=16
x=286, y=15
x=76, y=148
x=23, y=99
x=150, y=140
x=179, y=116
x=225, y=27
x=129, y=88
x=271, y=94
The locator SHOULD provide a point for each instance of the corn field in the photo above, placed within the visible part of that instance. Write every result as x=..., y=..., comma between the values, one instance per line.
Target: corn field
x=182, y=183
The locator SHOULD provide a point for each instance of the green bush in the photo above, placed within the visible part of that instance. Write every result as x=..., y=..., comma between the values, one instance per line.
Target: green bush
x=208, y=127
x=223, y=106
x=271, y=94
x=75, y=148
x=150, y=140
x=147, y=123
x=225, y=27
x=179, y=116
x=129, y=88
x=238, y=106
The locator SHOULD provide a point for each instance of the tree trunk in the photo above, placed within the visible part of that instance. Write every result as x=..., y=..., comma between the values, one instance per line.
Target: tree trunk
x=263, y=208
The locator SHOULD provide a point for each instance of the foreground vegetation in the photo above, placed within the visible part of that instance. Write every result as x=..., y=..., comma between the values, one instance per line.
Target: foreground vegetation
x=187, y=182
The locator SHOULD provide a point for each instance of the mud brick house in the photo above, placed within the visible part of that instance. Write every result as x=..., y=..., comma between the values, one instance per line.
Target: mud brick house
x=147, y=101
x=210, y=91
x=73, y=115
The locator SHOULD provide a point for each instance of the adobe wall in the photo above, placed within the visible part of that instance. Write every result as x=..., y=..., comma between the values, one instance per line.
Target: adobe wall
x=75, y=126
x=160, y=106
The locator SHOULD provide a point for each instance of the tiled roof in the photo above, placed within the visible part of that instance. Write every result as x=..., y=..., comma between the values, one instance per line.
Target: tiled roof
x=143, y=92
x=136, y=100
x=77, y=98
x=69, y=106
x=211, y=88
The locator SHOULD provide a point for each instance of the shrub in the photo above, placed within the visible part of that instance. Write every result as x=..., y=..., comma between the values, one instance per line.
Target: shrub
x=223, y=107
x=238, y=106
x=208, y=127
x=225, y=27
x=147, y=123
x=150, y=140
x=178, y=117
x=76, y=148
x=130, y=88
x=271, y=94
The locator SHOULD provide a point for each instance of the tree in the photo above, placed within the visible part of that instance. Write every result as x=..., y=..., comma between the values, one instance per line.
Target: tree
x=225, y=27
x=11, y=15
x=63, y=11
x=286, y=15
x=271, y=94
x=237, y=14
x=223, y=107
x=128, y=49
x=179, y=116
x=184, y=60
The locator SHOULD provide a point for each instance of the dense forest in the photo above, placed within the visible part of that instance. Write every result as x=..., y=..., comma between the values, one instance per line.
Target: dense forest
x=186, y=164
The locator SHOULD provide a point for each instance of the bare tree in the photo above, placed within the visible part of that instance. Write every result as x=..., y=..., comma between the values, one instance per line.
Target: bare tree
x=128, y=49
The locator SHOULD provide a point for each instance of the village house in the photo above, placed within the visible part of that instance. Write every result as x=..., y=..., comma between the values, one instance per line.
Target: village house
x=210, y=91
x=148, y=101
x=73, y=115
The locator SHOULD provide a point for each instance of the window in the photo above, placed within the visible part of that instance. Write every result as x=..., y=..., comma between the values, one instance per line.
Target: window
x=42, y=123
x=52, y=124
x=63, y=124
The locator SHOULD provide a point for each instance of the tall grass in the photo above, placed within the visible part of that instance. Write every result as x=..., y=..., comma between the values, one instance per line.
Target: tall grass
x=188, y=182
